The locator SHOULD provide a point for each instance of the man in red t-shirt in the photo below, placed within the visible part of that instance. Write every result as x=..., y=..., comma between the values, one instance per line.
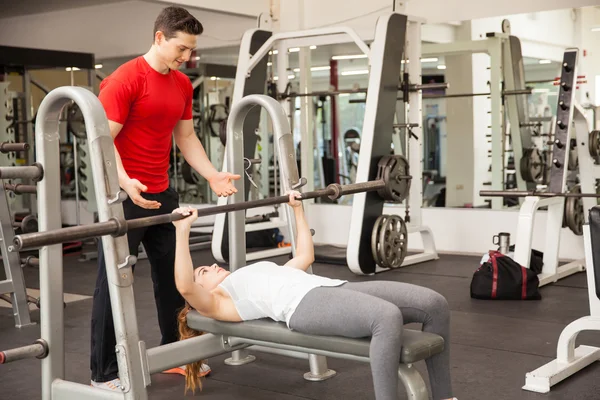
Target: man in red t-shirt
x=147, y=100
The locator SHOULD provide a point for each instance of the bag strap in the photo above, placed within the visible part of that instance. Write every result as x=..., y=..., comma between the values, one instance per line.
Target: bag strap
x=523, y=283
x=493, y=254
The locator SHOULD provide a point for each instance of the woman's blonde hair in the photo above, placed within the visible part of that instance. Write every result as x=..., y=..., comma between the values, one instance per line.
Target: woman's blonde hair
x=192, y=371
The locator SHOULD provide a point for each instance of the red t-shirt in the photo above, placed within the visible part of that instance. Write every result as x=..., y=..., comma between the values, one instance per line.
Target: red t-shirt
x=148, y=104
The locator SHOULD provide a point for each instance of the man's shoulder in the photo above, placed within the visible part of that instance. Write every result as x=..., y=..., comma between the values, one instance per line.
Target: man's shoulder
x=128, y=73
x=182, y=78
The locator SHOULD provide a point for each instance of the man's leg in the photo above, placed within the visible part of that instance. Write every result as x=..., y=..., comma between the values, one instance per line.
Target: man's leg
x=159, y=243
x=421, y=305
x=103, y=360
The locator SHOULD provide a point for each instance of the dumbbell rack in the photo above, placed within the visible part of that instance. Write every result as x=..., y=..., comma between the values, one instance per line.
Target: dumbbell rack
x=14, y=282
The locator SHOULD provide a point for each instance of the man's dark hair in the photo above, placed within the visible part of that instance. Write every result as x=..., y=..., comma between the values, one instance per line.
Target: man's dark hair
x=176, y=19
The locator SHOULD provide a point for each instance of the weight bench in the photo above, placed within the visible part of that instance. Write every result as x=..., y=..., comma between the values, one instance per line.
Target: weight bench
x=416, y=346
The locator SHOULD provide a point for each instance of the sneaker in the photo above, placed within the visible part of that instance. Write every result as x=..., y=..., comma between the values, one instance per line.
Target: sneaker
x=204, y=370
x=114, y=385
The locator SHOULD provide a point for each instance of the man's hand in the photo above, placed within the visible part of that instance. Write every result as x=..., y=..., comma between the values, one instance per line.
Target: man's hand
x=185, y=223
x=293, y=196
x=221, y=183
x=133, y=187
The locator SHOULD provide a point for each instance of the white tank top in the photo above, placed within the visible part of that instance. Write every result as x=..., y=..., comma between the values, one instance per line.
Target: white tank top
x=266, y=289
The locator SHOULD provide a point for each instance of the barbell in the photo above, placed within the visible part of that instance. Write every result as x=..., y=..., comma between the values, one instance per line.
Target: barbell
x=533, y=193
x=390, y=185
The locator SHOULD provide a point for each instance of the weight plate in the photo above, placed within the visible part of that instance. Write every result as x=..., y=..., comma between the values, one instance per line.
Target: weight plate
x=75, y=122
x=218, y=113
x=29, y=224
x=389, y=241
x=375, y=239
x=393, y=170
x=574, y=212
x=594, y=143
x=532, y=166
x=223, y=132
x=573, y=156
x=189, y=174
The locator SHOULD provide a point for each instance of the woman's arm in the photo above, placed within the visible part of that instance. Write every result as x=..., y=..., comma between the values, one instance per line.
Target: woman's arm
x=305, y=249
x=199, y=298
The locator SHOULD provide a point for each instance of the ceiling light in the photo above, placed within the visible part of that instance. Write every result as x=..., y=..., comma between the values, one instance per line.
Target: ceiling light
x=269, y=63
x=349, y=57
x=441, y=67
x=596, y=29
x=313, y=47
x=545, y=62
x=274, y=52
x=213, y=78
x=197, y=58
x=323, y=68
x=432, y=59
x=356, y=72
x=69, y=69
x=294, y=49
x=98, y=66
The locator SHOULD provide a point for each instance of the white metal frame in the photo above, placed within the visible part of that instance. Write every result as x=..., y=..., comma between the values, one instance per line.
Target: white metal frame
x=415, y=152
x=588, y=173
x=571, y=359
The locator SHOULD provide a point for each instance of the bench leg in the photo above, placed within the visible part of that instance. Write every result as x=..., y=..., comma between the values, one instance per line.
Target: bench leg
x=318, y=369
x=240, y=357
x=413, y=382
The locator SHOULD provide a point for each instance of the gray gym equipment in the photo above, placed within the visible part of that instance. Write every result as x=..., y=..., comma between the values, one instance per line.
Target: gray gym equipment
x=13, y=282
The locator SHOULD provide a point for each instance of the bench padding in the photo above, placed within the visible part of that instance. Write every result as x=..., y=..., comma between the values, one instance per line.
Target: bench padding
x=416, y=345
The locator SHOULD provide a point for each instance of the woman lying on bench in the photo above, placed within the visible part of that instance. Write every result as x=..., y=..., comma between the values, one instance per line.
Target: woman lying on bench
x=315, y=305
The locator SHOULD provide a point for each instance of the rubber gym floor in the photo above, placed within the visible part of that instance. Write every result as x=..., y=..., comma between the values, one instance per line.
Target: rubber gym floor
x=494, y=343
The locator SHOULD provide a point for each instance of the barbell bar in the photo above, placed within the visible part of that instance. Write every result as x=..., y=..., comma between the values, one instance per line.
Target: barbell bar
x=515, y=92
x=524, y=193
x=118, y=227
x=412, y=88
x=458, y=95
x=39, y=349
x=7, y=147
x=34, y=172
x=20, y=188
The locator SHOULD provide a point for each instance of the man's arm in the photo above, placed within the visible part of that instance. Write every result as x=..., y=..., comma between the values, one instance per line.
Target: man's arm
x=198, y=297
x=305, y=249
x=115, y=128
x=192, y=149
x=131, y=186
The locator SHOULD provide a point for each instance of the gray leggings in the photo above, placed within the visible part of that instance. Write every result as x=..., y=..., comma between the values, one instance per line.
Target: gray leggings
x=379, y=309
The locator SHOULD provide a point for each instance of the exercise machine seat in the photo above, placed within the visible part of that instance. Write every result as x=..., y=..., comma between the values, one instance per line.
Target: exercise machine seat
x=416, y=345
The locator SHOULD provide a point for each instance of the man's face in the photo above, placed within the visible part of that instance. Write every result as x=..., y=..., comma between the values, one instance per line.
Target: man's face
x=177, y=50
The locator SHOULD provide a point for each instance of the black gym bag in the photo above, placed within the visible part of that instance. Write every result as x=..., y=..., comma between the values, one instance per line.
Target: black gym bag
x=502, y=278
